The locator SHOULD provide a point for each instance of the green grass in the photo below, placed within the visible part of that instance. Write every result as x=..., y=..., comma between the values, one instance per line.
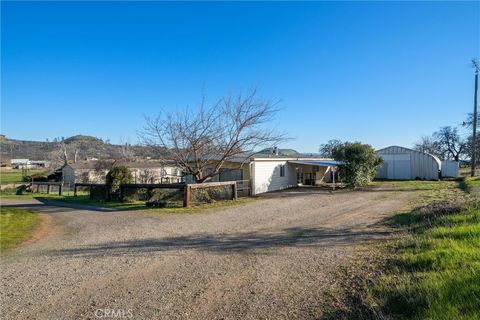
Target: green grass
x=15, y=176
x=140, y=205
x=437, y=270
x=15, y=226
x=11, y=177
x=84, y=199
x=472, y=185
x=430, y=190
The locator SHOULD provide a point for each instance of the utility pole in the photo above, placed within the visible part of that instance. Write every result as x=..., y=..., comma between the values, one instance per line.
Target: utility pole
x=474, y=137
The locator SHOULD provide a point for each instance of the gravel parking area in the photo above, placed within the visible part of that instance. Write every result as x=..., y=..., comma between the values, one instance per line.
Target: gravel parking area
x=274, y=258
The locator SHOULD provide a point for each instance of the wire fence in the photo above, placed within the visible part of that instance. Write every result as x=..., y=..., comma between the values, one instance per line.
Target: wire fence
x=204, y=193
x=154, y=195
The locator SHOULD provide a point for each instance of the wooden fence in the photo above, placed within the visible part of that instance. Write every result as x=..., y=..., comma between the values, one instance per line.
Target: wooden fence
x=187, y=188
x=89, y=185
x=48, y=184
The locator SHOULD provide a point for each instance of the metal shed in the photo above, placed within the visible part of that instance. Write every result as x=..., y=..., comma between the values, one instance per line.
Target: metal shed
x=450, y=169
x=406, y=164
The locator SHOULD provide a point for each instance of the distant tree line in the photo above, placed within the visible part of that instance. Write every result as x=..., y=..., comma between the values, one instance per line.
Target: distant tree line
x=448, y=143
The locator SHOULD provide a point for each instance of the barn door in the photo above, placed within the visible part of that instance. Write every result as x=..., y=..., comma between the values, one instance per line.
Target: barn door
x=402, y=168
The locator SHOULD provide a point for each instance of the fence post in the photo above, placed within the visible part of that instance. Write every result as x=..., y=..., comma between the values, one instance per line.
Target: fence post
x=48, y=189
x=60, y=189
x=38, y=188
x=186, y=196
x=234, y=191
x=75, y=190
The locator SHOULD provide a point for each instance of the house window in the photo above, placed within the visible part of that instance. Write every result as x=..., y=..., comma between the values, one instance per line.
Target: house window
x=230, y=174
x=282, y=170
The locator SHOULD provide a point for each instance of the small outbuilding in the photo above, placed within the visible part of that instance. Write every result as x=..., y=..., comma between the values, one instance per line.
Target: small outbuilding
x=450, y=169
x=406, y=164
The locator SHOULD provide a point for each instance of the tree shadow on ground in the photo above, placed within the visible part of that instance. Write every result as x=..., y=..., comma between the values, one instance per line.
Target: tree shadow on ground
x=231, y=243
x=40, y=207
x=76, y=206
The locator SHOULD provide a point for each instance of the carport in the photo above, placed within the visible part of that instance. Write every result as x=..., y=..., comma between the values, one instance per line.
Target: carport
x=315, y=172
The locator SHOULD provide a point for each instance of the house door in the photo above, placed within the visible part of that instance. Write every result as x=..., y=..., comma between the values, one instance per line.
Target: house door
x=299, y=175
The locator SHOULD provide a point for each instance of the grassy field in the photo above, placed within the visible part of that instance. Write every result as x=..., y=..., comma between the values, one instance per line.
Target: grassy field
x=15, y=226
x=436, y=269
x=11, y=177
x=15, y=176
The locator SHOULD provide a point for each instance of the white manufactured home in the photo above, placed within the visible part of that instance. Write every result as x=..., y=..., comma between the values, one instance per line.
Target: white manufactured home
x=406, y=164
x=266, y=173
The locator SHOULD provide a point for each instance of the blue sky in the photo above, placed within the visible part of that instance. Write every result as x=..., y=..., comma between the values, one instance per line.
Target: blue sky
x=378, y=72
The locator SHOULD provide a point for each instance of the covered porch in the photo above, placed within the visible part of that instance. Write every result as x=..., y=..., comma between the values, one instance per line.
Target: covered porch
x=315, y=172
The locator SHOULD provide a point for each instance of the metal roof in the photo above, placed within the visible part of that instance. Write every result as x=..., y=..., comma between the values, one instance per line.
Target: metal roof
x=321, y=163
x=388, y=150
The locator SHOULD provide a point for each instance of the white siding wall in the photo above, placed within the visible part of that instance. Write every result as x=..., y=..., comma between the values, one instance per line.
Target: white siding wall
x=68, y=175
x=267, y=176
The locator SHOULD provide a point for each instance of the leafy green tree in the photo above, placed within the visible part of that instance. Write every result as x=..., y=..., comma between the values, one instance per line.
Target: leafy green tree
x=115, y=177
x=360, y=163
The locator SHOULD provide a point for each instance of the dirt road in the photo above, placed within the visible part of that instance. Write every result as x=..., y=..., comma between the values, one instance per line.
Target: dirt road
x=271, y=259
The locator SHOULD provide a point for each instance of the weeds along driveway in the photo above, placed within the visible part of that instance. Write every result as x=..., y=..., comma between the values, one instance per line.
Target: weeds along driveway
x=272, y=258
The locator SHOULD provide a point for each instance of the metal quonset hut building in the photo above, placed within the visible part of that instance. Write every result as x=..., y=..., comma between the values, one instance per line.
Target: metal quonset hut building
x=406, y=164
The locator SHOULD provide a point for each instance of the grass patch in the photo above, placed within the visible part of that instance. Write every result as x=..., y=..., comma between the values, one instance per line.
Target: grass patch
x=436, y=271
x=140, y=205
x=15, y=226
x=84, y=199
x=15, y=176
x=11, y=177
x=472, y=185
x=430, y=190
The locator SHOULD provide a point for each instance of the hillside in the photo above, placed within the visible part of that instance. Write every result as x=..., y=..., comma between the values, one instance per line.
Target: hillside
x=87, y=146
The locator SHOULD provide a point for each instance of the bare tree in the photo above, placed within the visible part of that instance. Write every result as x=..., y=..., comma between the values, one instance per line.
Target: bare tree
x=210, y=136
x=469, y=122
x=59, y=156
x=75, y=155
x=326, y=150
x=468, y=148
x=453, y=146
x=126, y=152
x=147, y=176
x=104, y=165
x=429, y=145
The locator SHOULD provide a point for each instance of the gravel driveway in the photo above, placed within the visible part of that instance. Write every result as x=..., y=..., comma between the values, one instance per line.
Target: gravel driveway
x=274, y=258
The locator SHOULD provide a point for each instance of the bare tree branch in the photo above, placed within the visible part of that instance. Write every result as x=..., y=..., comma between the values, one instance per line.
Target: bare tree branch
x=210, y=136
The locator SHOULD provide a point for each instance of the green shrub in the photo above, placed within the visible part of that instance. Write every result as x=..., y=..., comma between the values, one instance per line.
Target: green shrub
x=360, y=163
x=37, y=177
x=201, y=195
x=98, y=192
x=161, y=197
x=129, y=195
x=211, y=194
x=115, y=177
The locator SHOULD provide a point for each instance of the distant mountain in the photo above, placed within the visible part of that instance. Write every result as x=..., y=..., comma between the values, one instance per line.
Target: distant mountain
x=282, y=152
x=87, y=146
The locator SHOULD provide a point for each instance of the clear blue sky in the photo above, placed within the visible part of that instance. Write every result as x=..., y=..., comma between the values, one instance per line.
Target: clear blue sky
x=379, y=72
